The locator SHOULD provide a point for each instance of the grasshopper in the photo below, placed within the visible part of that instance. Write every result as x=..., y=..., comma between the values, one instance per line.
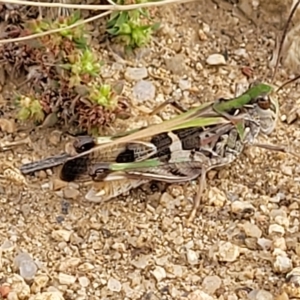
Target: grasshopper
x=178, y=150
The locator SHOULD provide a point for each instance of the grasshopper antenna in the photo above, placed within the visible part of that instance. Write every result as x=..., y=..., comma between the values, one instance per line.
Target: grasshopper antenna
x=287, y=83
x=286, y=27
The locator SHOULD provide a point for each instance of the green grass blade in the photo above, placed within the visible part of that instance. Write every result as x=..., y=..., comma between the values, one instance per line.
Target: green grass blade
x=202, y=122
x=149, y=163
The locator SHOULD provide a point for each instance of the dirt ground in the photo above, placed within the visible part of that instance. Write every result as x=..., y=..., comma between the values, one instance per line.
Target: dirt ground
x=245, y=238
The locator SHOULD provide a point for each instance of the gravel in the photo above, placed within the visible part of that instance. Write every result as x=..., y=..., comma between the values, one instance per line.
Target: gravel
x=243, y=243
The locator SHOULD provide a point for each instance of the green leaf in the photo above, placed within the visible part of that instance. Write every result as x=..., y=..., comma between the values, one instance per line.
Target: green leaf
x=38, y=116
x=75, y=17
x=123, y=18
x=24, y=114
x=125, y=29
x=155, y=26
x=113, y=19
x=113, y=31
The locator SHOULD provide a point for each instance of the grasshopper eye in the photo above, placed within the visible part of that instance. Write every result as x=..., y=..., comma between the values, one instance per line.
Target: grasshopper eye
x=263, y=103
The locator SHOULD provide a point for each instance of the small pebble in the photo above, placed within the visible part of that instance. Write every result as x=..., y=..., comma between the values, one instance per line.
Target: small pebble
x=211, y=283
x=141, y=262
x=241, y=207
x=159, y=273
x=66, y=279
x=265, y=244
x=275, y=229
x=144, y=90
x=135, y=74
x=202, y=36
x=7, y=246
x=260, y=295
x=48, y=296
x=279, y=243
x=286, y=170
x=282, y=296
x=12, y=296
x=216, y=60
x=20, y=287
x=252, y=230
x=114, y=285
x=292, y=284
x=192, y=257
x=176, y=46
x=57, y=184
x=184, y=84
x=8, y=126
x=40, y=281
x=199, y=295
x=176, y=64
x=61, y=235
x=65, y=206
x=70, y=193
x=84, y=281
x=4, y=291
x=228, y=252
x=55, y=137
x=282, y=264
x=26, y=265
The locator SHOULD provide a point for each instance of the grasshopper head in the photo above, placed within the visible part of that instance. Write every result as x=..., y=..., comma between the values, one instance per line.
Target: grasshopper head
x=265, y=109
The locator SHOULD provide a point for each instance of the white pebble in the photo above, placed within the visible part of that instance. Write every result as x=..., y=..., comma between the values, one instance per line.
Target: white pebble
x=114, y=285
x=61, y=235
x=211, y=283
x=252, y=230
x=192, y=257
x=159, y=273
x=276, y=229
x=134, y=74
x=84, y=281
x=228, y=252
x=216, y=60
x=282, y=264
x=66, y=278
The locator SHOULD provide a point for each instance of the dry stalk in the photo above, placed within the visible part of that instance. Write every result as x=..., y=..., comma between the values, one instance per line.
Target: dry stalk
x=114, y=7
x=110, y=9
x=37, y=35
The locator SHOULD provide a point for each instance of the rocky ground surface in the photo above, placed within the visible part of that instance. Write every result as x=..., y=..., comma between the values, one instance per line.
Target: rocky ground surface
x=244, y=243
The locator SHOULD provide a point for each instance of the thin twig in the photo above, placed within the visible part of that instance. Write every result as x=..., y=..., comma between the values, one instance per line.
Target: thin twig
x=33, y=36
x=110, y=9
x=115, y=7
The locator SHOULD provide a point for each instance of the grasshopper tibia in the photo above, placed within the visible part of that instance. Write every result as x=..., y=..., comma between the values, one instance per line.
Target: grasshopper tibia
x=199, y=195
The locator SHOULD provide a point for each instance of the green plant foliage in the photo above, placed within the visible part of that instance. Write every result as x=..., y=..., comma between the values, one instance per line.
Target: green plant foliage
x=131, y=27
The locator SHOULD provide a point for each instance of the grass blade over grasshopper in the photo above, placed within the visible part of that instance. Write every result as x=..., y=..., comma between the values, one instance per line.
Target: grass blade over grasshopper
x=181, y=149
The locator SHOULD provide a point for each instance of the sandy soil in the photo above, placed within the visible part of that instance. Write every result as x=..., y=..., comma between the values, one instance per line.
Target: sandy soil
x=245, y=238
